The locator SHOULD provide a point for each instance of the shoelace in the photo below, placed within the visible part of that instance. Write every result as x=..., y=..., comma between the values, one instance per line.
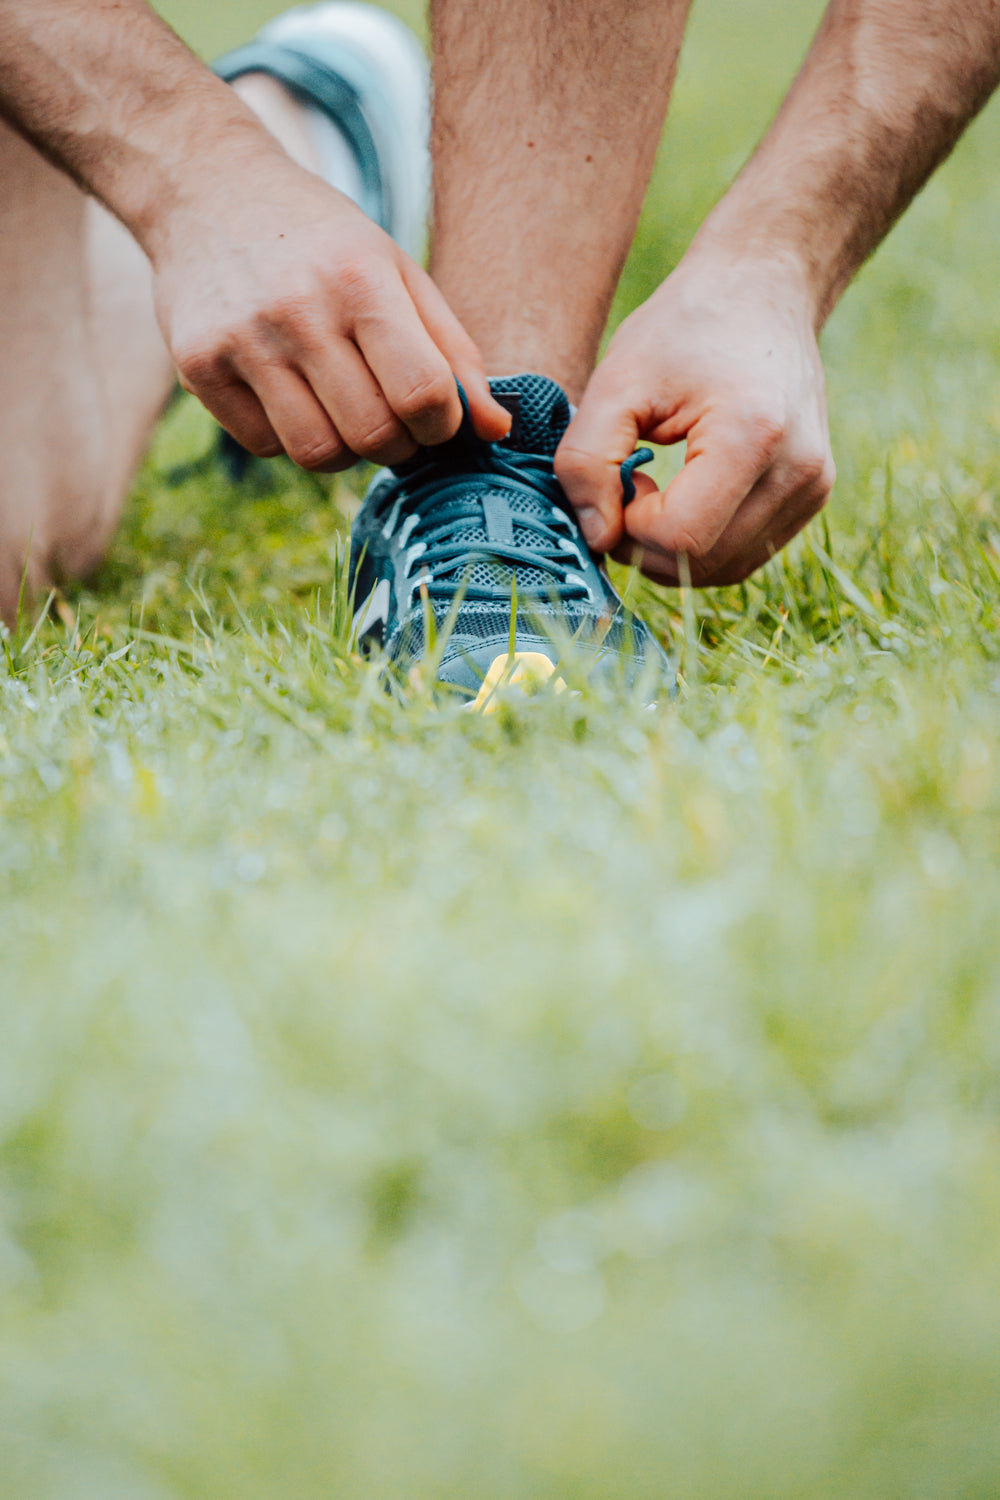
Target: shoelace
x=461, y=480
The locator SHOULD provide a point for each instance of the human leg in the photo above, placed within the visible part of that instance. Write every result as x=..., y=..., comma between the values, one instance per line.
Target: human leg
x=547, y=115
x=83, y=369
x=58, y=326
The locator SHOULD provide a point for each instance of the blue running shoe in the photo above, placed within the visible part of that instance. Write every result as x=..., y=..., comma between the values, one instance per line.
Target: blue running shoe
x=445, y=544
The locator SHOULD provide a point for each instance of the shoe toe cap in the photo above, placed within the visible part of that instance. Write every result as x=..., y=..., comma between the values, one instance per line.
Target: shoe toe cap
x=486, y=669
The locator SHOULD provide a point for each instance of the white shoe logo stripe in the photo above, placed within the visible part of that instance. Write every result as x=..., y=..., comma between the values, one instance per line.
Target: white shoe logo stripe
x=375, y=610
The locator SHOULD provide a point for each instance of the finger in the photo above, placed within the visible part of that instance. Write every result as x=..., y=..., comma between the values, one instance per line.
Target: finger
x=656, y=564
x=490, y=420
x=774, y=511
x=349, y=393
x=747, y=555
x=724, y=464
x=772, y=514
x=305, y=430
x=235, y=407
x=626, y=550
x=588, y=462
x=412, y=372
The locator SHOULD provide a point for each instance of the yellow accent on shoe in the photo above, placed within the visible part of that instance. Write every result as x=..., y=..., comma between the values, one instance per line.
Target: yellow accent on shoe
x=528, y=671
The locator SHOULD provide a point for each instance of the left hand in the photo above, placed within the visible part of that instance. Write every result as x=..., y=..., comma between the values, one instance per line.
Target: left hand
x=724, y=355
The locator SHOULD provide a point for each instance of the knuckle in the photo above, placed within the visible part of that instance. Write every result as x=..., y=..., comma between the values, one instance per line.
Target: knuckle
x=290, y=316
x=260, y=445
x=807, y=473
x=316, y=453
x=431, y=394
x=202, y=367
x=815, y=492
x=693, y=544
x=766, y=431
x=357, y=285
x=375, y=440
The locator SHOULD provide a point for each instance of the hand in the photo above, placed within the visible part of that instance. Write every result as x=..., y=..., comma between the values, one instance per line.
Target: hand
x=724, y=355
x=305, y=330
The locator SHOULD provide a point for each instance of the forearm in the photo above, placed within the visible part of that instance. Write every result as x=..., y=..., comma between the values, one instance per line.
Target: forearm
x=885, y=92
x=724, y=356
x=107, y=91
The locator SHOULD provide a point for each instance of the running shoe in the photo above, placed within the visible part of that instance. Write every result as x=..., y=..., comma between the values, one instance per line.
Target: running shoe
x=470, y=556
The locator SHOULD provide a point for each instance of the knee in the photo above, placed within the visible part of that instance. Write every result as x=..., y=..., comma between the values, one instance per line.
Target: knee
x=61, y=538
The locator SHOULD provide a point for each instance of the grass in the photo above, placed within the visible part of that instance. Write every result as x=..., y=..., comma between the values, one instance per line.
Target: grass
x=579, y=1102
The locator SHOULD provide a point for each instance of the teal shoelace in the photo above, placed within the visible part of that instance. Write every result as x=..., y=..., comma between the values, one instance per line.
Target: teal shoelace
x=467, y=484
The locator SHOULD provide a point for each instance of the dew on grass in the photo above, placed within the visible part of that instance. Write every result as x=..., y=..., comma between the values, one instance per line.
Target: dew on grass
x=594, y=1101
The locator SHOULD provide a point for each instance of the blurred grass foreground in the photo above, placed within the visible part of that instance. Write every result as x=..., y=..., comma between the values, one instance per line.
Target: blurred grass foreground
x=581, y=1102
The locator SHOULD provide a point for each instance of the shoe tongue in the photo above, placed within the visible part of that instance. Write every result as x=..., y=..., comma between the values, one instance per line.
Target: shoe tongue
x=540, y=410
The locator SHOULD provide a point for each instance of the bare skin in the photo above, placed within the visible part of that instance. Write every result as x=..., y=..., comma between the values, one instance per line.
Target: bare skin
x=547, y=116
x=83, y=376
x=303, y=328
x=724, y=354
x=299, y=324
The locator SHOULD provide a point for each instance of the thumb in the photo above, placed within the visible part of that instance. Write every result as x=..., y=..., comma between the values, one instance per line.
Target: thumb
x=588, y=464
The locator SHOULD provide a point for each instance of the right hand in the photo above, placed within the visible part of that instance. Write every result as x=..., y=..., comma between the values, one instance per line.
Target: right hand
x=305, y=330
x=724, y=356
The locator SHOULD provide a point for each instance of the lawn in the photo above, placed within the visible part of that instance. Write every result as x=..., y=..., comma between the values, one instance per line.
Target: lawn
x=580, y=1103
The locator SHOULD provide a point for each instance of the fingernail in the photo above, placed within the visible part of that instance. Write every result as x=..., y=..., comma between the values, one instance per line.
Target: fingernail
x=591, y=524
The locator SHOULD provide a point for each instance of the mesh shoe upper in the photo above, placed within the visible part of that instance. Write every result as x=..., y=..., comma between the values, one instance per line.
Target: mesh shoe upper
x=467, y=525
